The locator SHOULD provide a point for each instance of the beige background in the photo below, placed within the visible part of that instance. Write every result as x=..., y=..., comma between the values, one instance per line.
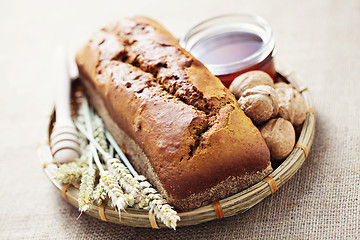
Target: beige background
x=320, y=39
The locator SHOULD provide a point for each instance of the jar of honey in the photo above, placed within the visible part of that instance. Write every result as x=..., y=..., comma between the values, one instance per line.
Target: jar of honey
x=230, y=45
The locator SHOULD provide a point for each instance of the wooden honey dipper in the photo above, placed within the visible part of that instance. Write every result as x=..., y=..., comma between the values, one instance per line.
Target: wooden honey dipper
x=64, y=138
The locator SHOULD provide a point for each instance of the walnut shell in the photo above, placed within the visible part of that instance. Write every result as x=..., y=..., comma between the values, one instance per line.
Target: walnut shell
x=292, y=106
x=249, y=80
x=279, y=135
x=259, y=103
x=282, y=85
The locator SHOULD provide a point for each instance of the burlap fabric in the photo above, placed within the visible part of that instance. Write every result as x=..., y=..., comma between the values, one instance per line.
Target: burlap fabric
x=320, y=39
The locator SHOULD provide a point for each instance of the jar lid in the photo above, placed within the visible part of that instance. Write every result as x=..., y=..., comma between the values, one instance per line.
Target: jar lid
x=224, y=26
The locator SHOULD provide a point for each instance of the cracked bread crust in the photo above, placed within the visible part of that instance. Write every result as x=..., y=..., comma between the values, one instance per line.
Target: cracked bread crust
x=196, y=143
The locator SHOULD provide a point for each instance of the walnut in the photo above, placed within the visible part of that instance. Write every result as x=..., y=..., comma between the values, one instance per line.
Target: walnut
x=249, y=80
x=279, y=135
x=282, y=85
x=292, y=106
x=259, y=103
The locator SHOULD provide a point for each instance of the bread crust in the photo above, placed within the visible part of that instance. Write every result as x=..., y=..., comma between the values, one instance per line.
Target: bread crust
x=181, y=127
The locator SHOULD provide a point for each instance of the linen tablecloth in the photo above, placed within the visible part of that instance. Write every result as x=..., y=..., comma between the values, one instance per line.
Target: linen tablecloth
x=319, y=39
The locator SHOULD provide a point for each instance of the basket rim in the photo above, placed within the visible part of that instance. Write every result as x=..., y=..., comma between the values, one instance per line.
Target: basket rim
x=232, y=205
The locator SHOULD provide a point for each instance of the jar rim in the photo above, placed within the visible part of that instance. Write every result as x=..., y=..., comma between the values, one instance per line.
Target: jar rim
x=226, y=23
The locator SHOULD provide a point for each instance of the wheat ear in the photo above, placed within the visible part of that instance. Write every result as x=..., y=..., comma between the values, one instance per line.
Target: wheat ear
x=119, y=199
x=116, y=168
x=112, y=188
x=86, y=189
x=99, y=193
x=70, y=172
x=157, y=203
x=127, y=181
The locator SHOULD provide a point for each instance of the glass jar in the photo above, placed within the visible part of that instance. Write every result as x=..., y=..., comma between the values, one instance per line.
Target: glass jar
x=230, y=45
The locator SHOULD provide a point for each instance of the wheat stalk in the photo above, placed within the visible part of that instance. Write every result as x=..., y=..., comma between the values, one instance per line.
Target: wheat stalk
x=157, y=203
x=116, y=168
x=111, y=186
x=134, y=184
x=84, y=144
x=99, y=132
x=88, y=178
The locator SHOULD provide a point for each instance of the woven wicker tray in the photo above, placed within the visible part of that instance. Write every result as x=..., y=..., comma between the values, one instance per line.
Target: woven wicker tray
x=227, y=207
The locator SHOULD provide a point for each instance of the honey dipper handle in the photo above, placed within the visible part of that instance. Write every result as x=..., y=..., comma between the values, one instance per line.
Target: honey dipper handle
x=64, y=137
x=63, y=86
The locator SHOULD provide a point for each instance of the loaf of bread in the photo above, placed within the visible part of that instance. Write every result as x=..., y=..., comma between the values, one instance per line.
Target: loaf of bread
x=180, y=126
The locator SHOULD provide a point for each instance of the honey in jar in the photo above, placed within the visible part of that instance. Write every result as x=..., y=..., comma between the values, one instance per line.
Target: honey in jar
x=230, y=45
